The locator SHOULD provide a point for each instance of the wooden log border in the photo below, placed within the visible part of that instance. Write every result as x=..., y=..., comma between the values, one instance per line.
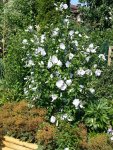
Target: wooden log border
x=10, y=143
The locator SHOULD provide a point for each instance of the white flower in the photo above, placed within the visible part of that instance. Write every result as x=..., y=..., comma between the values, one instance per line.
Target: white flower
x=30, y=86
x=80, y=35
x=32, y=73
x=49, y=65
x=88, y=72
x=111, y=138
x=52, y=119
x=71, y=56
x=43, y=53
x=76, y=42
x=66, y=21
x=76, y=102
x=34, y=89
x=25, y=41
x=55, y=32
x=91, y=46
x=56, y=29
x=81, y=106
x=40, y=50
x=102, y=56
x=51, y=76
x=66, y=148
x=87, y=37
x=25, y=91
x=56, y=51
x=68, y=82
x=87, y=58
x=81, y=86
x=80, y=72
x=59, y=63
x=30, y=63
x=54, y=59
x=30, y=28
x=71, y=33
x=62, y=46
x=109, y=130
x=65, y=6
x=92, y=90
x=77, y=32
x=93, y=50
x=64, y=87
x=43, y=37
x=98, y=72
x=59, y=83
x=64, y=116
x=32, y=81
x=67, y=64
x=88, y=50
x=54, y=97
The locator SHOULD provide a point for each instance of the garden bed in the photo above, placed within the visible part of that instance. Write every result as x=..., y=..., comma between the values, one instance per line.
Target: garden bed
x=10, y=143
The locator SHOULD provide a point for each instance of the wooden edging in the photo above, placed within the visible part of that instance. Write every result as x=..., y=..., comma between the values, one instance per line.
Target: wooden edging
x=110, y=55
x=15, y=144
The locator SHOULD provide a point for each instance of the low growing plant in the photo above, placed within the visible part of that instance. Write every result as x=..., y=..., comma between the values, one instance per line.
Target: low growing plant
x=21, y=120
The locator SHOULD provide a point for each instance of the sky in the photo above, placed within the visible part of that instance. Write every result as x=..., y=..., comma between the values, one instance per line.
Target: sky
x=74, y=1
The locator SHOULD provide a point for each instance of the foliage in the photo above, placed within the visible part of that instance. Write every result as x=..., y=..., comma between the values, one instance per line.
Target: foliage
x=20, y=13
x=105, y=84
x=48, y=15
x=98, y=14
x=66, y=137
x=103, y=39
x=46, y=136
x=15, y=16
x=14, y=71
x=21, y=120
x=99, y=142
x=98, y=115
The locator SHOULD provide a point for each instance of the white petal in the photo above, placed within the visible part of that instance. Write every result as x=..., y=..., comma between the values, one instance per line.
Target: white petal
x=68, y=82
x=49, y=65
x=52, y=119
x=59, y=83
x=76, y=102
x=59, y=63
x=62, y=46
x=71, y=56
x=67, y=64
x=54, y=59
x=63, y=88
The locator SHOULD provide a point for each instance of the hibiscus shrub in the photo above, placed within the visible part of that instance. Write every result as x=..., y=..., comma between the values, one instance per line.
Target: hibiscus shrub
x=62, y=65
x=56, y=68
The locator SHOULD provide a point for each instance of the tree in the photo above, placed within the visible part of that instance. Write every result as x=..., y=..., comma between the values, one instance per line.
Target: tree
x=98, y=13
